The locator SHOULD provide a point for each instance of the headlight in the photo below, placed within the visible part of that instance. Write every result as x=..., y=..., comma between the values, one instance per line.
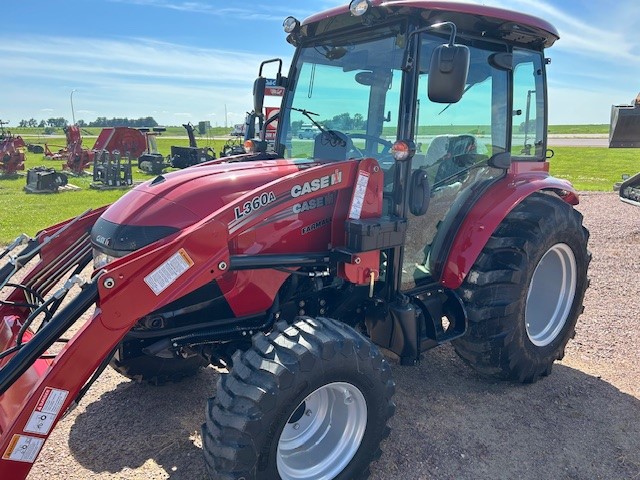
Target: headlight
x=101, y=259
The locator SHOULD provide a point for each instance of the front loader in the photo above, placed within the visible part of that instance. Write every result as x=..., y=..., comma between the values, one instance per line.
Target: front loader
x=304, y=267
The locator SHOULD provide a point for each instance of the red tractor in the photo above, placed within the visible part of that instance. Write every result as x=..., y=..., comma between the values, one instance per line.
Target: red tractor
x=293, y=268
x=12, y=152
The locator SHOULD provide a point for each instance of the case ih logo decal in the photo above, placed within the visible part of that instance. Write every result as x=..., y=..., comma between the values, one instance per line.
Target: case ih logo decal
x=314, y=203
x=254, y=204
x=103, y=240
x=317, y=184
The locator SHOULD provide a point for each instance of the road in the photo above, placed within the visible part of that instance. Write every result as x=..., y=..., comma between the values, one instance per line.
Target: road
x=580, y=140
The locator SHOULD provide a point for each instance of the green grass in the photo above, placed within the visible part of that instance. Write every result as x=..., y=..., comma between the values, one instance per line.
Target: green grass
x=594, y=169
x=576, y=129
x=21, y=212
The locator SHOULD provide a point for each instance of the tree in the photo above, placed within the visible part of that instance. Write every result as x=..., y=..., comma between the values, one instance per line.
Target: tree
x=295, y=126
x=358, y=121
x=59, y=122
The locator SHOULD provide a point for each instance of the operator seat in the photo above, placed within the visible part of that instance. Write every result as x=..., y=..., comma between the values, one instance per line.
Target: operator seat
x=437, y=150
x=459, y=155
x=331, y=145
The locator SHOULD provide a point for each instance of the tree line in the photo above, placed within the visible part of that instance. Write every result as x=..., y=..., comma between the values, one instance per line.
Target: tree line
x=343, y=121
x=62, y=122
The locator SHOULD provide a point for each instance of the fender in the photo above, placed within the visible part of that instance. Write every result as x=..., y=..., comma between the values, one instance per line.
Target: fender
x=522, y=179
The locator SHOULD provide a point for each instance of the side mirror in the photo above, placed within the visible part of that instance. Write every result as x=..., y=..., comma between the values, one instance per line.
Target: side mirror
x=420, y=193
x=448, y=73
x=258, y=94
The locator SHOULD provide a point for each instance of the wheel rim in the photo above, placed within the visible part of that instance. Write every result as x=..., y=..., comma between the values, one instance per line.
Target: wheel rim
x=323, y=434
x=551, y=294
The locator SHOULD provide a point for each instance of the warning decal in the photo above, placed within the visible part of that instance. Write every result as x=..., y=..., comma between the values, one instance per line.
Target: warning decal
x=46, y=411
x=169, y=271
x=358, y=195
x=23, y=448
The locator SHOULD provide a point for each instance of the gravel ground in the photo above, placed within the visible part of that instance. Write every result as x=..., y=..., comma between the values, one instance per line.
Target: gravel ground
x=582, y=422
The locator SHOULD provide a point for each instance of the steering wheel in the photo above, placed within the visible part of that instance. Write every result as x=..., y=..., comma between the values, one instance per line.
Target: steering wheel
x=385, y=143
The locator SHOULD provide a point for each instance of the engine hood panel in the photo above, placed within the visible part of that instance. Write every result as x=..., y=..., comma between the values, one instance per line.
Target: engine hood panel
x=179, y=199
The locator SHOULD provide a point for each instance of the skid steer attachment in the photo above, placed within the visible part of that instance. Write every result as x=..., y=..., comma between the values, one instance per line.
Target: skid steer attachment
x=625, y=133
x=625, y=125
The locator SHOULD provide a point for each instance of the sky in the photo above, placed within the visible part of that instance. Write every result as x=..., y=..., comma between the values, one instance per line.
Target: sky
x=195, y=60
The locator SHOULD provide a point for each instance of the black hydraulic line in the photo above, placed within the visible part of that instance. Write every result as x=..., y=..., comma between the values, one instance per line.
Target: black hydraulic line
x=17, y=242
x=250, y=262
x=27, y=253
x=34, y=348
x=83, y=391
x=83, y=263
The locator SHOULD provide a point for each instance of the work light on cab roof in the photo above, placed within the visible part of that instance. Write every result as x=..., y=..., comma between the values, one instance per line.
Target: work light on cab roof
x=290, y=24
x=359, y=7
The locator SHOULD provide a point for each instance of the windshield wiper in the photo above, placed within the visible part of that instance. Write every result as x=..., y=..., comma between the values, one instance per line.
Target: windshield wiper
x=463, y=92
x=308, y=114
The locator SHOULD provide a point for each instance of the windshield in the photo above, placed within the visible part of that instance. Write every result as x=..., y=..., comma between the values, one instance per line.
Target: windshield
x=345, y=101
x=349, y=101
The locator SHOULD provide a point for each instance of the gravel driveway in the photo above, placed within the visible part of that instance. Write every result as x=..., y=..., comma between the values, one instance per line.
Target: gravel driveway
x=582, y=422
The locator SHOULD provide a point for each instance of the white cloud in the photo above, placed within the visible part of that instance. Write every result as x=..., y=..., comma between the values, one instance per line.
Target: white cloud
x=253, y=11
x=152, y=77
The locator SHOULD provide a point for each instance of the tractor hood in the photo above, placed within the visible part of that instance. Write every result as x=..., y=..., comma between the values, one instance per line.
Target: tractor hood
x=176, y=200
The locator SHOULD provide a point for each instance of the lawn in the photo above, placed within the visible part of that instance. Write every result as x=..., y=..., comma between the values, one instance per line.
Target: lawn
x=595, y=169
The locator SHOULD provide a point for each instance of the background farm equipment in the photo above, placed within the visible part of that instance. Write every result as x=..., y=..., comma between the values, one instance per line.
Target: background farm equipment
x=152, y=161
x=12, y=154
x=130, y=142
x=75, y=158
x=624, y=132
x=233, y=146
x=45, y=180
x=287, y=267
x=111, y=170
x=183, y=157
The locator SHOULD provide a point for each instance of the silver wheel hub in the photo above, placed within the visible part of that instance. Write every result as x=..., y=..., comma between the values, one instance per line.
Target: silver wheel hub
x=551, y=293
x=323, y=434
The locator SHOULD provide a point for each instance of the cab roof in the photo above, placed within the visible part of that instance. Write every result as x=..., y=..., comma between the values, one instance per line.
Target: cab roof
x=498, y=22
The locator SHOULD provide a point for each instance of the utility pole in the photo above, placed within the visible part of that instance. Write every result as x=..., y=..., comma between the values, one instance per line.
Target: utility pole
x=73, y=114
x=225, y=116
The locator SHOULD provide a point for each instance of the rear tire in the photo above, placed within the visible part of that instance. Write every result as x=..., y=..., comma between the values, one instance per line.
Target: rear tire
x=524, y=294
x=308, y=401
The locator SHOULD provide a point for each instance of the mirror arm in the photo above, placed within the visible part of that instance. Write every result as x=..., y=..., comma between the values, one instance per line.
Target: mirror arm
x=452, y=38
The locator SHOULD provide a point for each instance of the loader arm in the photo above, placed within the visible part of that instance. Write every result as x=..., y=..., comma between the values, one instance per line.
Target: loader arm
x=36, y=392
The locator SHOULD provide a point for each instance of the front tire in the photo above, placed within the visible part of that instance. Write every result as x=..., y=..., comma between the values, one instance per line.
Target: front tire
x=308, y=401
x=524, y=294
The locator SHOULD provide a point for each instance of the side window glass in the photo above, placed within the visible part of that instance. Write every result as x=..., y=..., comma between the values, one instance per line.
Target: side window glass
x=527, y=131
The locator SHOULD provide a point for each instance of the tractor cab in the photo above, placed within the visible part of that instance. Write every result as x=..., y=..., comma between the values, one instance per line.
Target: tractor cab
x=443, y=113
